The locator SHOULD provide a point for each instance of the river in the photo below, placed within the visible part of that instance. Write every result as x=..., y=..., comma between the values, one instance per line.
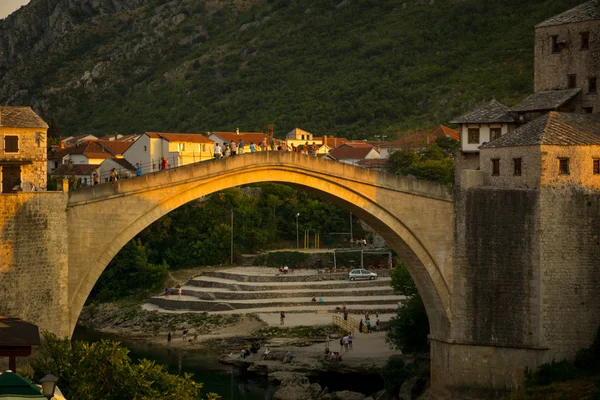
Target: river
x=230, y=383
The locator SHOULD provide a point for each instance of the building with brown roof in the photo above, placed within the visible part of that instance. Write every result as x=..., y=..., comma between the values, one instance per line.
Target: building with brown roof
x=353, y=152
x=567, y=54
x=177, y=148
x=417, y=141
x=77, y=174
x=23, y=149
x=555, y=149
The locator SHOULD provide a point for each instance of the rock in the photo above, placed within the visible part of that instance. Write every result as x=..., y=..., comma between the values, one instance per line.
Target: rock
x=412, y=388
x=293, y=387
x=347, y=395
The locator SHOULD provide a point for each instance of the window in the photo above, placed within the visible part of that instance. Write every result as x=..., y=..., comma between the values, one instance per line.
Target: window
x=555, y=45
x=11, y=144
x=473, y=134
x=585, y=40
x=588, y=110
x=495, y=133
x=145, y=148
x=571, y=81
x=563, y=166
x=495, y=166
x=517, y=166
x=55, y=164
x=596, y=167
x=592, y=85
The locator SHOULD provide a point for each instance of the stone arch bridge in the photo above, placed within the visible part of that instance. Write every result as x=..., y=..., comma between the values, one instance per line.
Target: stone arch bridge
x=488, y=262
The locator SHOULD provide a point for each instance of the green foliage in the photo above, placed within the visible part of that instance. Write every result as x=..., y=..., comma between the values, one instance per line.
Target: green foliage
x=400, y=160
x=130, y=272
x=448, y=145
x=434, y=163
x=440, y=171
x=587, y=361
x=370, y=67
x=402, y=282
x=409, y=329
x=86, y=371
x=394, y=373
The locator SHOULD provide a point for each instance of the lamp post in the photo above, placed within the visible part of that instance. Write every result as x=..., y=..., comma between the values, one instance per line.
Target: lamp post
x=232, y=237
x=351, y=234
x=48, y=385
x=297, y=233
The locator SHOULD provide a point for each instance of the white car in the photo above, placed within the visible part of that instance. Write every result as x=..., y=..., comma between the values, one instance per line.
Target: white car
x=361, y=274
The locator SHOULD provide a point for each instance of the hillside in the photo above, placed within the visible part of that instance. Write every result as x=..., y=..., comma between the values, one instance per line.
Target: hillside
x=355, y=68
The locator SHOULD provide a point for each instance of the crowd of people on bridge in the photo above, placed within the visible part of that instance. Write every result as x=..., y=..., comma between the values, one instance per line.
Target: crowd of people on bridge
x=230, y=149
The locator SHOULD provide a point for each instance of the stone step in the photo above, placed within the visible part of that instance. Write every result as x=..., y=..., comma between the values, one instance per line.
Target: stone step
x=224, y=294
x=357, y=310
x=289, y=277
x=193, y=303
x=233, y=285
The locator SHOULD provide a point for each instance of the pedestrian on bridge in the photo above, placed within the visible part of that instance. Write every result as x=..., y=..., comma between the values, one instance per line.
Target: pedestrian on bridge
x=164, y=164
x=218, y=151
x=138, y=169
x=241, y=147
x=252, y=147
x=233, y=146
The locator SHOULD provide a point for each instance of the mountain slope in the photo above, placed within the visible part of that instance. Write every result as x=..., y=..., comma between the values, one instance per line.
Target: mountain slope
x=355, y=68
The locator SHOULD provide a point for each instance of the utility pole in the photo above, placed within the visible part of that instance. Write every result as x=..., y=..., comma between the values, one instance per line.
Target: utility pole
x=232, y=263
x=351, y=234
x=297, y=233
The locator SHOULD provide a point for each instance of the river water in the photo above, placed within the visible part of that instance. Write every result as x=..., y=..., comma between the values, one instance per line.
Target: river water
x=229, y=382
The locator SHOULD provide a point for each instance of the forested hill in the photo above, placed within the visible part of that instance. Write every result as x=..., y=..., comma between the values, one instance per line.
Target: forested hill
x=354, y=68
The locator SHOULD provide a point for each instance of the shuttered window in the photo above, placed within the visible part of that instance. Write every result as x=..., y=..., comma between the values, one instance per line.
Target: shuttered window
x=11, y=144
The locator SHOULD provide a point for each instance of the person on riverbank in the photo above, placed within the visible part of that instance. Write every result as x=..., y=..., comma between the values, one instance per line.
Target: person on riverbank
x=368, y=323
x=166, y=293
x=346, y=343
x=185, y=332
x=282, y=318
x=169, y=337
x=377, y=326
x=267, y=352
x=179, y=293
x=341, y=344
x=360, y=326
x=350, y=339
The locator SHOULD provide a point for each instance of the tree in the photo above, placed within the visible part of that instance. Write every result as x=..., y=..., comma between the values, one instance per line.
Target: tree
x=53, y=133
x=88, y=371
x=400, y=160
x=440, y=171
x=409, y=329
x=448, y=145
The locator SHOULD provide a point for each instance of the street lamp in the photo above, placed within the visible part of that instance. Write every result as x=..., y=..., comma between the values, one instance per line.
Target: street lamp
x=48, y=385
x=232, y=237
x=351, y=233
x=297, y=233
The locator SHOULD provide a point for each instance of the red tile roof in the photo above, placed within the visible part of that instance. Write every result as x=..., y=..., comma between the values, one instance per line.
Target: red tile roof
x=180, y=137
x=77, y=169
x=99, y=149
x=352, y=151
x=332, y=141
x=442, y=130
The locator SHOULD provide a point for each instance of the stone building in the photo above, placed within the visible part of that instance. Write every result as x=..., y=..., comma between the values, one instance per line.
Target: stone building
x=482, y=125
x=567, y=54
x=556, y=149
x=23, y=150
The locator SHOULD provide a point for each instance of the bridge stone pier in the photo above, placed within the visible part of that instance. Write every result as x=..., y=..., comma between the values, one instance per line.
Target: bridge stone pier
x=488, y=263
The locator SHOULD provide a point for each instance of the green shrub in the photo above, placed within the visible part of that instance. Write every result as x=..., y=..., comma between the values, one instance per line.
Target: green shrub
x=589, y=358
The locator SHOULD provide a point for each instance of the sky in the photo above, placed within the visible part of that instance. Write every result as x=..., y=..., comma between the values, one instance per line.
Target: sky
x=8, y=6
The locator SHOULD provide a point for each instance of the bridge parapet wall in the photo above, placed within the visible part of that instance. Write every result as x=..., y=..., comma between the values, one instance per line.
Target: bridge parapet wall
x=34, y=259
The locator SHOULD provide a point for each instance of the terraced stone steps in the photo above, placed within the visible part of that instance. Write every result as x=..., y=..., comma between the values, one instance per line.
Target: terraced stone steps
x=205, y=281
x=290, y=277
x=356, y=309
x=196, y=304
x=224, y=294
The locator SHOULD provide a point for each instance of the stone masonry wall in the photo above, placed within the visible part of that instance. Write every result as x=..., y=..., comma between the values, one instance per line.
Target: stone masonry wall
x=31, y=148
x=552, y=69
x=570, y=269
x=33, y=259
x=496, y=267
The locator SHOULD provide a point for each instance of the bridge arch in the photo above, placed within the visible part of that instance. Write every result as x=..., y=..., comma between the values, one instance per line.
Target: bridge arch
x=415, y=217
